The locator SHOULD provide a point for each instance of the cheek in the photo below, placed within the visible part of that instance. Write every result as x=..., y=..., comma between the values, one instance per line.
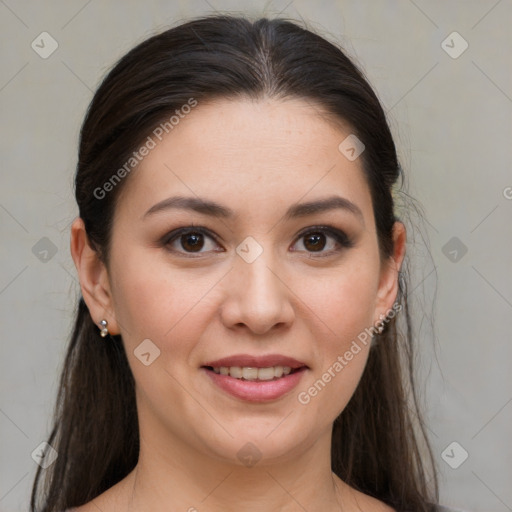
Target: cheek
x=155, y=302
x=343, y=304
x=341, y=300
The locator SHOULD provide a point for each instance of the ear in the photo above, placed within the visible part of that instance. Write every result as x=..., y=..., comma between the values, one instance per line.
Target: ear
x=93, y=277
x=388, y=284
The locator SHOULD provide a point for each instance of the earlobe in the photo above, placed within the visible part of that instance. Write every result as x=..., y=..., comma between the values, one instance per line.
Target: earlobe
x=388, y=286
x=93, y=277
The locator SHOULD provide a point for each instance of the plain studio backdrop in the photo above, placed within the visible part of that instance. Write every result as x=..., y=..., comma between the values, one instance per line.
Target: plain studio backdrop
x=442, y=72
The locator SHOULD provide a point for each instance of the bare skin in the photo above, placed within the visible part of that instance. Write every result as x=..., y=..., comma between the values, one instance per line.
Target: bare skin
x=258, y=159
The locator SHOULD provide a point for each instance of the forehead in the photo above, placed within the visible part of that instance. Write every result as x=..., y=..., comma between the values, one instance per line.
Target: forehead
x=250, y=154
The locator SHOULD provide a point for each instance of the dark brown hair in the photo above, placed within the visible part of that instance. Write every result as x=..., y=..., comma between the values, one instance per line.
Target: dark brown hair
x=376, y=444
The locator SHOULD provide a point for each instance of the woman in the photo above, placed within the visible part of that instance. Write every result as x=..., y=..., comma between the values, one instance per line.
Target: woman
x=243, y=316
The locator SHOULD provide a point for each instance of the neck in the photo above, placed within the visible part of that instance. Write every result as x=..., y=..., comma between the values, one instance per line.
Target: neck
x=178, y=477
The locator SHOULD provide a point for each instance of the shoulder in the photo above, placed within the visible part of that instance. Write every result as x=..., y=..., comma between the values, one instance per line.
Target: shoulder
x=88, y=507
x=443, y=508
x=113, y=499
x=369, y=503
x=354, y=499
x=91, y=506
x=379, y=506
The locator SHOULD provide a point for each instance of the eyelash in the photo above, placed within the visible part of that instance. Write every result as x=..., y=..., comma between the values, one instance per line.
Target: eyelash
x=339, y=236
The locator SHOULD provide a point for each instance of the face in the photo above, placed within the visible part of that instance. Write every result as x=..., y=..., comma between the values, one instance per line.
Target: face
x=258, y=281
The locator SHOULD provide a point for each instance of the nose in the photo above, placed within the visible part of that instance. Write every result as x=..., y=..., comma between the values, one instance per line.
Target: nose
x=257, y=297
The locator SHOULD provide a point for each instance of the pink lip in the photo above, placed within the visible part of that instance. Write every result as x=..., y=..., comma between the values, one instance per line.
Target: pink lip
x=256, y=391
x=256, y=361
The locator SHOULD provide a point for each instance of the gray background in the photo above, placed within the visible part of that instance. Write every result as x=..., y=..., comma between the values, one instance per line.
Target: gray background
x=451, y=121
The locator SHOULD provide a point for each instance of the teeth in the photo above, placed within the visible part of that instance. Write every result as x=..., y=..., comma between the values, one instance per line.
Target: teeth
x=251, y=373
x=264, y=373
x=247, y=373
x=236, y=372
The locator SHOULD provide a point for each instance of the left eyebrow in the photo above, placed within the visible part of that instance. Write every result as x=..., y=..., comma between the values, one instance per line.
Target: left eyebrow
x=213, y=209
x=323, y=205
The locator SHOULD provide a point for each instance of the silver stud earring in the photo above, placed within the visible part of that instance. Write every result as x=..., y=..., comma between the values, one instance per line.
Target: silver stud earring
x=379, y=328
x=104, y=330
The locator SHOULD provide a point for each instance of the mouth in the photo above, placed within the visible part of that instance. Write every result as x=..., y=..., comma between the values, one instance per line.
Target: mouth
x=252, y=373
x=255, y=379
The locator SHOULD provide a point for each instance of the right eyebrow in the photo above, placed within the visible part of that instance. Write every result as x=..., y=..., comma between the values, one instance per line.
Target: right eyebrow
x=197, y=204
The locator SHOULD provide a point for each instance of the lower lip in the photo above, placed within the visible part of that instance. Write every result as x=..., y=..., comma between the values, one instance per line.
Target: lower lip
x=256, y=391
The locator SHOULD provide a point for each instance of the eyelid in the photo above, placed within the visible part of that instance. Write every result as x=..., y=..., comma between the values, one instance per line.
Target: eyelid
x=191, y=228
x=340, y=237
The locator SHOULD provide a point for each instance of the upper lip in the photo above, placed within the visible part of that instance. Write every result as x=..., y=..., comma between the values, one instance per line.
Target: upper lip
x=246, y=360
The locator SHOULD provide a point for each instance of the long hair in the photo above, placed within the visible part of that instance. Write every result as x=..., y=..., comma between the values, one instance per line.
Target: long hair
x=379, y=445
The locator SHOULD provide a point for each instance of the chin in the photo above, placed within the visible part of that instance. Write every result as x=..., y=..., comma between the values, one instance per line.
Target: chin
x=262, y=443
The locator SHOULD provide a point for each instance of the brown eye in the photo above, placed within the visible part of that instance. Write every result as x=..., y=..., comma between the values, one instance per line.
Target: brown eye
x=192, y=241
x=314, y=242
x=325, y=241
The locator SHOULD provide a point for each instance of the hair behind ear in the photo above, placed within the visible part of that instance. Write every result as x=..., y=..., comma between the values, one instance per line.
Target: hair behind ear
x=96, y=390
